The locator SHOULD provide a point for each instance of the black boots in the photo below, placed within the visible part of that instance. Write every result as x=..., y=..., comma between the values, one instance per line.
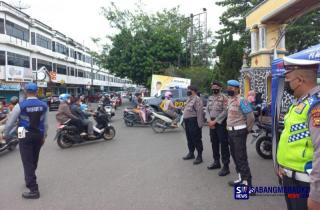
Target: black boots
x=31, y=195
x=224, y=171
x=214, y=165
x=198, y=160
x=189, y=156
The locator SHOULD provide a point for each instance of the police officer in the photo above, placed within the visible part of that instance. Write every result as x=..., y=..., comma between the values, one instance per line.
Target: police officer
x=298, y=153
x=31, y=115
x=217, y=104
x=193, y=119
x=240, y=120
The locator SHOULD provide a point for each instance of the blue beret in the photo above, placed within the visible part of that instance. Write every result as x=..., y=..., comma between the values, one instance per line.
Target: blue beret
x=233, y=83
x=31, y=87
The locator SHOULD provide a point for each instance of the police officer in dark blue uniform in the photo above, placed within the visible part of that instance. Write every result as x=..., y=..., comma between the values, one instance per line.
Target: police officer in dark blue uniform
x=31, y=115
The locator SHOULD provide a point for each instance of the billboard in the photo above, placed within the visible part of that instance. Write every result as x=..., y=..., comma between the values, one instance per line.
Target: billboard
x=18, y=74
x=160, y=82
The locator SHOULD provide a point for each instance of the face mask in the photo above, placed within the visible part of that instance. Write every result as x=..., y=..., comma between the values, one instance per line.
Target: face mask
x=215, y=91
x=230, y=92
x=288, y=88
x=189, y=93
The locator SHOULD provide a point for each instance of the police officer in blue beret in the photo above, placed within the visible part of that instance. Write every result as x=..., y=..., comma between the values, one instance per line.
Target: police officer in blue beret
x=31, y=115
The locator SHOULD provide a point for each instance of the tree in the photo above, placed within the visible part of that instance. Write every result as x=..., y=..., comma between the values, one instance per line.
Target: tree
x=303, y=33
x=146, y=44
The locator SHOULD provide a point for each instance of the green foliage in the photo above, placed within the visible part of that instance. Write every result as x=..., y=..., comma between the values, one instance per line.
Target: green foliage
x=146, y=44
x=304, y=33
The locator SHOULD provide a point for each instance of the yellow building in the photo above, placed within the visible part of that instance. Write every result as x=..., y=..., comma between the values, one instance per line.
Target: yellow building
x=267, y=23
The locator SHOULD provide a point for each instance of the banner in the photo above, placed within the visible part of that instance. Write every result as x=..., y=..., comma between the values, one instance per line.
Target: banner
x=160, y=83
x=18, y=74
x=10, y=87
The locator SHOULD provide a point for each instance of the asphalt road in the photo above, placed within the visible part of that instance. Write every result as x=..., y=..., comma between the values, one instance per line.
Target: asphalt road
x=138, y=170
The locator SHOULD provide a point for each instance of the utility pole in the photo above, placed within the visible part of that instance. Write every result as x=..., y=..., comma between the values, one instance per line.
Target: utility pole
x=191, y=40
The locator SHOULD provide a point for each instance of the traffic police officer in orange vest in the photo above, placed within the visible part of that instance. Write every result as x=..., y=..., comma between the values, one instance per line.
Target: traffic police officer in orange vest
x=31, y=115
x=298, y=153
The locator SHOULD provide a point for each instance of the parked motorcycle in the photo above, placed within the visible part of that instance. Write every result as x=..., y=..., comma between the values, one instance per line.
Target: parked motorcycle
x=131, y=118
x=263, y=139
x=68, y=135
x=163, y=122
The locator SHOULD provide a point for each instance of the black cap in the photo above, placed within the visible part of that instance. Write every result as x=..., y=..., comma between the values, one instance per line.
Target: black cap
x=193, y=88
x=216, y=83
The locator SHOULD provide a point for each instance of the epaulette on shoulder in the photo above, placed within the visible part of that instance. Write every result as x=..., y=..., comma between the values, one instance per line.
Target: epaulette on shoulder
x=314, y=99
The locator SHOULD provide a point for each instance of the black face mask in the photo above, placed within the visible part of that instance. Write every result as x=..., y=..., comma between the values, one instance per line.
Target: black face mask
x=189, y=93
x=215, y=91
x=231, y=93
x=287, y=88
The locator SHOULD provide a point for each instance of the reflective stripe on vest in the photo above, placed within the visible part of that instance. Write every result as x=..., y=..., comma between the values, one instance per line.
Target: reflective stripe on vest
x=295, y=150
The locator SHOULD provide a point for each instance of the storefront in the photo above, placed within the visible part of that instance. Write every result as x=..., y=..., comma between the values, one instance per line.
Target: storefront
x=7, y=90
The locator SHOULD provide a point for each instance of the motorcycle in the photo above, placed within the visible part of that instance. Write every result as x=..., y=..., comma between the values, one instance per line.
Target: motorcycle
x=108, y=109
x=263, y=139
x=10, y=144
x=163, y=121
x=67, y=135
x=131, y=118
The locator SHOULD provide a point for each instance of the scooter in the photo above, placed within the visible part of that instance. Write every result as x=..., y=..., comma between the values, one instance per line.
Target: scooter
x=67, y=135
x=108, y=109
x=131, y=118
x=162, y=121
x=263, y=139
x=10, y=144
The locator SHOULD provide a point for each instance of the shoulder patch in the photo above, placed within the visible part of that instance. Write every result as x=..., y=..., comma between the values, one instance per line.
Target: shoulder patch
x=299, y=109
x=315, y=117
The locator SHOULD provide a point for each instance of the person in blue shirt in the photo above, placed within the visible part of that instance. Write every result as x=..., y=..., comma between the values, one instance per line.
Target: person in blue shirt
x=32, y=115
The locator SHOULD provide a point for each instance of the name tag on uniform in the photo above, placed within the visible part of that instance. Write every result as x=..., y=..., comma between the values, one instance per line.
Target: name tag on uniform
x=21, y=133
x=299, y=109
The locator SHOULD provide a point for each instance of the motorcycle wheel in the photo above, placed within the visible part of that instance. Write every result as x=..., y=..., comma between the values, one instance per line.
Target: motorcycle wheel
x=110, y=135
x=62, y=143
x=264, y=147
x=128, y=123
x=12, y=146
x=155, y=126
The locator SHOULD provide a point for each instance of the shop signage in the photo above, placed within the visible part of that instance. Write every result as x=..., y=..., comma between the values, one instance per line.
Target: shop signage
x=42, y=84
x=18, y=74
x=10, y=87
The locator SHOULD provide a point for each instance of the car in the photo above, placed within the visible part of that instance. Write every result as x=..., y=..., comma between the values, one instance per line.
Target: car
x=53, y=103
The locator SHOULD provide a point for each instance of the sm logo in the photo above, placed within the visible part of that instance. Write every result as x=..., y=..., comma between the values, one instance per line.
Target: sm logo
x=241, y=192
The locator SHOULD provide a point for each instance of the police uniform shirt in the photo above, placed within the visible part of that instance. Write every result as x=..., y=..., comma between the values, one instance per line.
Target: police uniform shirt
x=217, y=104
x=314, y=128
x=236, y=116
x=36, y=113
x=194, y=108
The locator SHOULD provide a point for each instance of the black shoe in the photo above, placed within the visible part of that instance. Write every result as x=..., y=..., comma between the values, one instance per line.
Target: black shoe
x=214, y=165
x=31, y=195
x=189, y=156
x=198, y=160
x=234, y=183
x=224, y=171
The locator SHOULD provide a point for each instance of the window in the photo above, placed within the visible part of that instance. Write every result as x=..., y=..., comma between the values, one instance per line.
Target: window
x=2, y=58
x=71, y=71
x=17, y=31
x=1, y=26
x=60, y=48
x=44, y=63
x=33, y=38
x=71, y=53
x=88, y=59
x=43, y=41
x=14, y=59
x=53, y=46
x=80, y=73
x=61, y=69
x=34, y=64
x=54, y=67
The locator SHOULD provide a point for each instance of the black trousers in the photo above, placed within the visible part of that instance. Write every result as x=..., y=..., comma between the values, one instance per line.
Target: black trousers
x=29, y=150
x=219, y=139
x=238, y=148
x=194, y=135
x=296, y=203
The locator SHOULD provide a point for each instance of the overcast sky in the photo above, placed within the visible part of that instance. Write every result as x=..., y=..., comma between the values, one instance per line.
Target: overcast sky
x=82, y=19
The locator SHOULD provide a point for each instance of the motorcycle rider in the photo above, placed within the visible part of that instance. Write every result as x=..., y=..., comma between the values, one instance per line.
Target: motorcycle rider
x=83, y=116
x=3, y=119
x=168, y=107
x=13, y=101
x=138, y=107
x=64, y=113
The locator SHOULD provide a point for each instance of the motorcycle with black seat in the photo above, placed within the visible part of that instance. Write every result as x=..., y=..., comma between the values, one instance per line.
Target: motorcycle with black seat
x=68, y=135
